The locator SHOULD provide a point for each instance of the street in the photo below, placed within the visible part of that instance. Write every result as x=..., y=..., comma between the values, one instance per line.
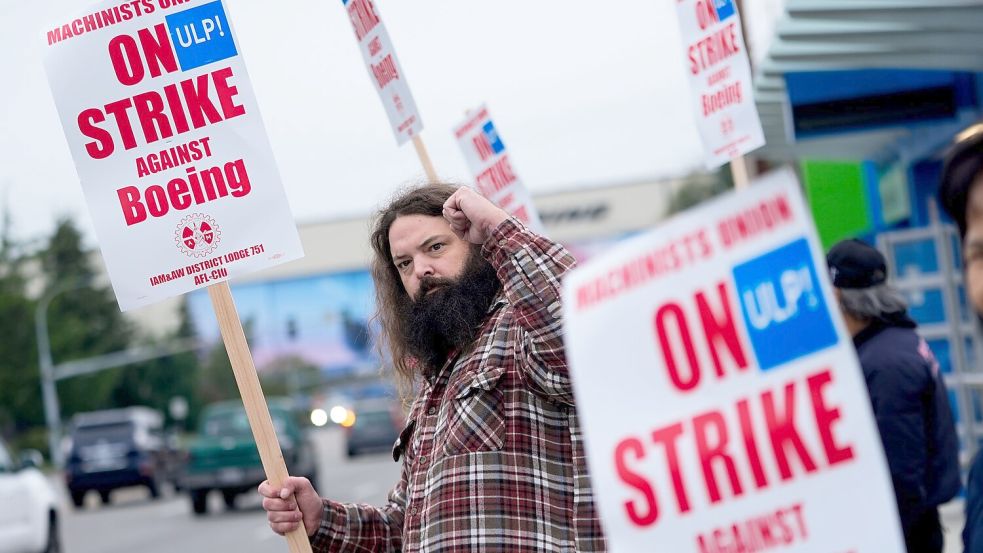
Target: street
x=132, y=522
x=135, y=523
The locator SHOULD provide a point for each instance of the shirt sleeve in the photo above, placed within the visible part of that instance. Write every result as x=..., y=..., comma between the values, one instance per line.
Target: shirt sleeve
x=350, y=527
x=530, y=268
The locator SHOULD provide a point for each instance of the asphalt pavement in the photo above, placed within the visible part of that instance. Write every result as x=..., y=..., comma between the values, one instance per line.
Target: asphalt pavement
x=134, y=522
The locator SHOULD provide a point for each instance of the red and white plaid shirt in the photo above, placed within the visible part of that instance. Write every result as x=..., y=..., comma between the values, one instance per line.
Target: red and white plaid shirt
x=493, y=455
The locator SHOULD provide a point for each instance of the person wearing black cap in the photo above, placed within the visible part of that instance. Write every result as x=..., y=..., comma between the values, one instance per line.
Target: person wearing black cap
x=961, y=196
x=909, y=399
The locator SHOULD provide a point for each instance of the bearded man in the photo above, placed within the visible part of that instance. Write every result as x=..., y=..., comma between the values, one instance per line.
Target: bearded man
x=493, y=456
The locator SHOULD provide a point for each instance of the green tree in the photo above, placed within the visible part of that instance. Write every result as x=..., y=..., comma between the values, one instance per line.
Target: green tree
x=216, y=381
x=699, y=188
x=156, y=382
x=20, y=382
x=82, y=322
x=288, y=372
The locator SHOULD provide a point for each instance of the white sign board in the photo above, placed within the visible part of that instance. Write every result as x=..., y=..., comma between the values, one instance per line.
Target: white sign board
x=384, y=71
x=492, y=169
x=169, y=145
x=720, y=75
x=722, y=402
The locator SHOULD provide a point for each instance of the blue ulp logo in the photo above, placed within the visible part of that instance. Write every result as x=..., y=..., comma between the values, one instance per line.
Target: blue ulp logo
x=725, y=9
x=492, y=135
x=783, y=305
x=201, y=35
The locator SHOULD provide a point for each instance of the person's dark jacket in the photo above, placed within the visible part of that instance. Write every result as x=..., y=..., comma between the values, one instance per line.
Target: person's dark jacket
x=911, y=406
x=973, y=528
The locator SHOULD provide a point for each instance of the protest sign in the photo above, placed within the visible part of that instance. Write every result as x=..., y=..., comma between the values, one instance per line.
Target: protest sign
x=384, y=70
x=722, y=402
x=492, y=169
x=720, y=75
x=175, y=166
x=169, y=145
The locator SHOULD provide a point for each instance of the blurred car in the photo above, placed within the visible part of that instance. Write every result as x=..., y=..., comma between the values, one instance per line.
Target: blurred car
x=376, y=426
x=117, y=448
x=224, y=457
x=29, y=512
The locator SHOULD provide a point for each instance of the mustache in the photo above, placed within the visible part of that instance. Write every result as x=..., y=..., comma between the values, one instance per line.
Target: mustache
x=436, y=323
x=428, y=284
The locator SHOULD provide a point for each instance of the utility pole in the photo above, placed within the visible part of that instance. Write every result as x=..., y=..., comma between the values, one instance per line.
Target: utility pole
x=293, y=377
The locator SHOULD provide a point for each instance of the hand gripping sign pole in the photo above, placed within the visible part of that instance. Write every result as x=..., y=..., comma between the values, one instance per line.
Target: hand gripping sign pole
x=177, y=171
x=253, y=399
x=388, y=78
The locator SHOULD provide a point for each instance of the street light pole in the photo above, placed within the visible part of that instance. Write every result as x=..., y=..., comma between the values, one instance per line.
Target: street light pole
x=52, y=411
x=49, y=395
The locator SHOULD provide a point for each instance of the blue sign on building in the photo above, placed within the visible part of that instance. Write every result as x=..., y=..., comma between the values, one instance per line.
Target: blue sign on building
x=783, y=305
x=201, y=35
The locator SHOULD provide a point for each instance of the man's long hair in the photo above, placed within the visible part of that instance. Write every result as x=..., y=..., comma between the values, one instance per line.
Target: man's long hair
x=391, y=298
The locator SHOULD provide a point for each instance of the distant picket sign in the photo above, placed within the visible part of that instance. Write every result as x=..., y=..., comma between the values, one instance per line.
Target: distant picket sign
x=169, y=145
x=720, y=76
x=721, y=398
x=384, y=70
x=491, y=166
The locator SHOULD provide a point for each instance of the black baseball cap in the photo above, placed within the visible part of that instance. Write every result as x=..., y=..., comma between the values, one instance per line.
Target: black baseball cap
x=963, y=162
x=854, y=264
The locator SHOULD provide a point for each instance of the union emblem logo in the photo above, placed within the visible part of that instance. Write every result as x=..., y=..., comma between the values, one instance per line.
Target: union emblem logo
x=197, y=235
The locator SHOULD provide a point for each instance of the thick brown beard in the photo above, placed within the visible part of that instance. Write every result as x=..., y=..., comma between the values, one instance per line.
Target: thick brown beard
x=451, y=316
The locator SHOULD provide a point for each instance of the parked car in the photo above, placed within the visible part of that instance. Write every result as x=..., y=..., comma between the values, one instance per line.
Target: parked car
x=117, y=448
x=223, y=457
x=376, y=426
x=29, y=507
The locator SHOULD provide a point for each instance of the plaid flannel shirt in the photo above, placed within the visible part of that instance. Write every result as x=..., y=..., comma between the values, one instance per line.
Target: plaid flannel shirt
x=493, y=456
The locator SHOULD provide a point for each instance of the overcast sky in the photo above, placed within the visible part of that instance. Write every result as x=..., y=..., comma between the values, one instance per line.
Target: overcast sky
x=582, y=93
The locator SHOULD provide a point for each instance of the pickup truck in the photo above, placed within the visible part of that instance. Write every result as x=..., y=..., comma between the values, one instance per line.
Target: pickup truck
x=224, y=458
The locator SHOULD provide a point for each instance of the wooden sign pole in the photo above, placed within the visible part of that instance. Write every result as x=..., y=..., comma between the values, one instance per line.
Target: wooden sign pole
x=421, y=151
x=253, y=399
x=739, y=172
x=738, y=165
